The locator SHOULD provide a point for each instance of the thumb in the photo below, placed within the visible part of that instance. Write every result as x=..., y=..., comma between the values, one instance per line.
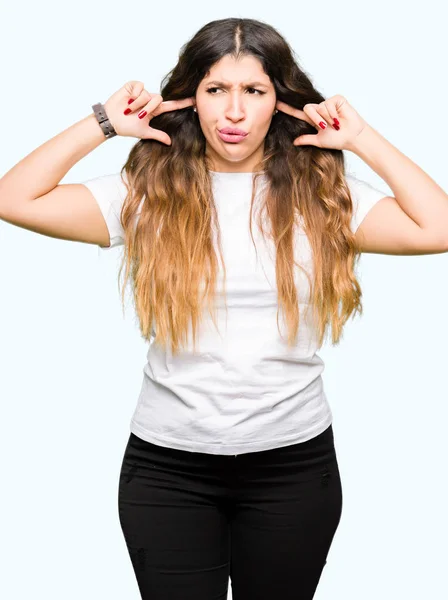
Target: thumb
x=134, y=88
x=306, y=140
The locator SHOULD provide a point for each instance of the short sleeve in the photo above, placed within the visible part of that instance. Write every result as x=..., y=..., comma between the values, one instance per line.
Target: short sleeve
x=364, y=197
x=110, y=192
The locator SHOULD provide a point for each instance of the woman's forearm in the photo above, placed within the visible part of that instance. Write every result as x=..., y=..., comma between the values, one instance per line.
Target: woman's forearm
x=42, y=170
x=420, y=197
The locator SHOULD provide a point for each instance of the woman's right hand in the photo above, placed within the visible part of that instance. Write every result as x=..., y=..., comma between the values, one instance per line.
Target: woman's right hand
x=131, y=125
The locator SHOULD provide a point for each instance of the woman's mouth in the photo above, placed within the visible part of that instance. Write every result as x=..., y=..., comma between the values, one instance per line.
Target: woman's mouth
x=232, y=137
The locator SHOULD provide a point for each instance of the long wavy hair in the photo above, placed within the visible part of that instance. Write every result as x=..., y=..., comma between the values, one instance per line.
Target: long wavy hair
x=170, y=250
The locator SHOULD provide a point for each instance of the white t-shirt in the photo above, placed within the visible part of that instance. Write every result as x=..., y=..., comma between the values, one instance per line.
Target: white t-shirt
x=243, y=390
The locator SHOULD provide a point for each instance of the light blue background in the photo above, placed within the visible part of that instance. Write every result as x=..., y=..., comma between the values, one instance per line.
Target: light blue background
x=71, y=365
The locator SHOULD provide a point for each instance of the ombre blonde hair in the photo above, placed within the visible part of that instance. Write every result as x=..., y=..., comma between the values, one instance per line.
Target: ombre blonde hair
x=170, y=250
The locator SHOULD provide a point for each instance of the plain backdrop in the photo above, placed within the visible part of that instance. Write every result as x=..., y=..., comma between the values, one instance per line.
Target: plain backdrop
x=72, y=364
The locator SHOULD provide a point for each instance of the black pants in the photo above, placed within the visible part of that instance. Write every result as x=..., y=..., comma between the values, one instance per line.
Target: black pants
x=265, y=519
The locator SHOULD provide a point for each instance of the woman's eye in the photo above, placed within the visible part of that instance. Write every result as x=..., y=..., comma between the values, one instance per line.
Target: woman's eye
x=216, y=88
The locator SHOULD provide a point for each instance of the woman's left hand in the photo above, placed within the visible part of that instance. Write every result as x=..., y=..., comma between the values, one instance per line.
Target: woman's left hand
x=333, y=112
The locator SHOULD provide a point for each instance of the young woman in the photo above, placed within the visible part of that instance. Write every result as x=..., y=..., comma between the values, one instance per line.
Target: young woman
x=230, y=469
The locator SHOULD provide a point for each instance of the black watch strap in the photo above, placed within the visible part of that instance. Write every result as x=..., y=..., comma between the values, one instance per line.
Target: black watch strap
x=102, y=118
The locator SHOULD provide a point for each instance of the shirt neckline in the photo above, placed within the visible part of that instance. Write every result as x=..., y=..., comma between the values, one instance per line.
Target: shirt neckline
x=236, y=173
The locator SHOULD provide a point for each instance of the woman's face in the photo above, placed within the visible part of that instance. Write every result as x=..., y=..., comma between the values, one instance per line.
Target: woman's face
x=236, y=94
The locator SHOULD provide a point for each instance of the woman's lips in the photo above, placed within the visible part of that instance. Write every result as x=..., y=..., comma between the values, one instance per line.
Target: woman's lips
x=232, y=138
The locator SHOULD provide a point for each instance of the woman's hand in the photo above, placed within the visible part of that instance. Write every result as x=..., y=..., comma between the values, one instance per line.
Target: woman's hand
x=342, y=123
x=130, y=124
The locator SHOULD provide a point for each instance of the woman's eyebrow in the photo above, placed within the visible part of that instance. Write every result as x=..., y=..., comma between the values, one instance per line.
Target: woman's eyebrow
x=250, y=84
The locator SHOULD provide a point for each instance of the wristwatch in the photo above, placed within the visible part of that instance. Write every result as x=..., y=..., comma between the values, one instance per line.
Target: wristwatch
x=102, y=118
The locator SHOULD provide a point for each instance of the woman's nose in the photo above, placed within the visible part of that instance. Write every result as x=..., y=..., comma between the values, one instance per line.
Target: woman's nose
x=235, y=107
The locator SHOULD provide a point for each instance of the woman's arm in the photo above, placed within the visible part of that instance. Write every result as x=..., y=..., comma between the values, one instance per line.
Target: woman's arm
x=42, y=170
x=32, y=198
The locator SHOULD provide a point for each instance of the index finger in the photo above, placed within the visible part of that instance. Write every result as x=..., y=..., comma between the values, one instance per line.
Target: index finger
x=168, y=105
x=294, y=112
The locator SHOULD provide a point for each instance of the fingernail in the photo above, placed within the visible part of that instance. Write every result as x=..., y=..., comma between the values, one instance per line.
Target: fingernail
x=142, y=114
x=131, y=100
x=337, y=127
x=322, y=125
x=127, y=111
x=336, y=122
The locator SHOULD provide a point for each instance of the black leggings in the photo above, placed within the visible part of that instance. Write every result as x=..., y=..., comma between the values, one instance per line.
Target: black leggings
x=265, y=519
